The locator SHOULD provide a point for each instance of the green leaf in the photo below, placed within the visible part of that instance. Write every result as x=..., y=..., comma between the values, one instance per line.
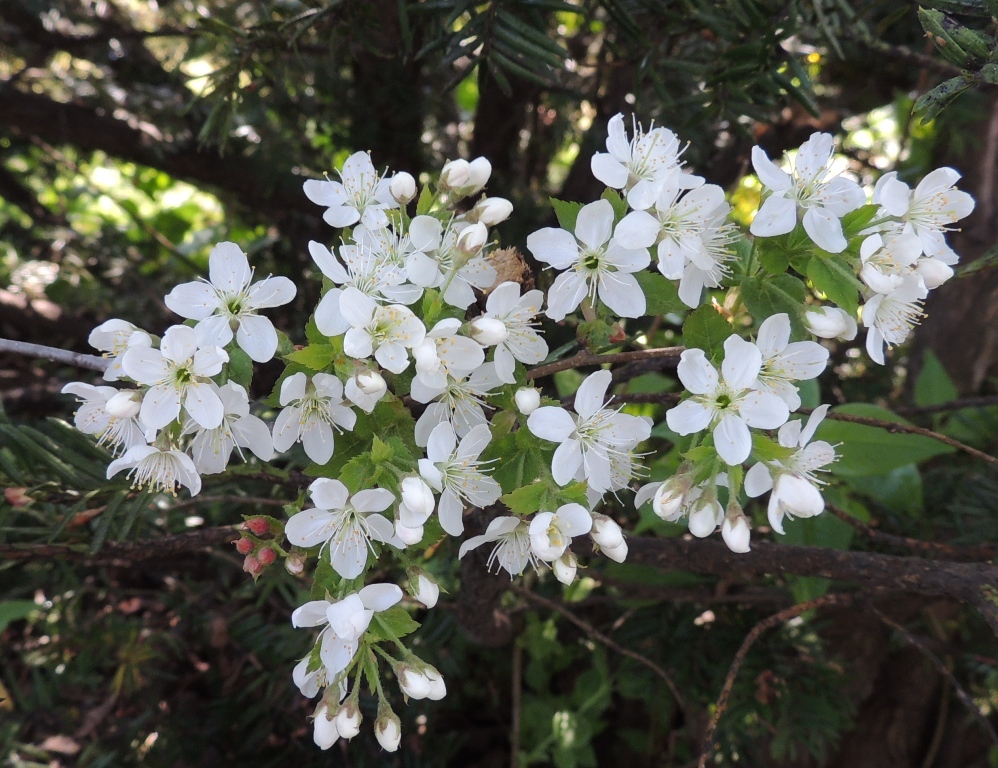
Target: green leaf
x=766, y=449
x=527, y=499
x=15, y=610
x=934, y=386
x=566, y=212
x=705, y=329
x=833, y=276
x=774, y=260
x=357, y=472
x=856, y=221
x=240, y=367
x=900, y=490
x=381, y=451
x=772, y=294
x=661, y=294
x=314, y=356
x=395, y=621
x=619, y=204
x=425, y=202
x=868, y=450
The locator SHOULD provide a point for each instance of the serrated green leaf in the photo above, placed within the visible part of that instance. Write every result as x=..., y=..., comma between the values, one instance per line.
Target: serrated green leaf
x=833, y=276
x=619, y=204
x=766, y=449
x=315, y=356
x=527, y=499
x=381, y=451
x=393, y=624
x=661, y=294
x=356, y=473
x=567, y=213
x=705, y=329
x=769, y=295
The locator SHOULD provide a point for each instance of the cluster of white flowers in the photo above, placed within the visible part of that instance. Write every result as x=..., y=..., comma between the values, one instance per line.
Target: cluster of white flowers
x=179, y=422
x=402, y=328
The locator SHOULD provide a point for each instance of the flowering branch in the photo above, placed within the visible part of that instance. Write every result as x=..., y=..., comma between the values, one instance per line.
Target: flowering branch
x=747, y=643
x=90, y=362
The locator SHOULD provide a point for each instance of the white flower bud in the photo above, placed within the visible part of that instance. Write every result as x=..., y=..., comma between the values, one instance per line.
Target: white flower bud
x=403, y=187
x=528, y=399
x=347, y=720
x=371, y=382
x=668, y=500
x=488, y=331
x=388, y=731
x=932, y=271
x=414, y=684
x=418, y=497
x=479, y=171
x=565, y=568
x=425, y=590
x=456, y=174
x=736, y=533
x=472, y=239
x=491, y=211
x=831, y=323
x=295, y=563
x=606, y=532
x=618, y=553
x=409, y=536
x=324, y=732
x=125, y=404
x=704, y=517
x=437, y=687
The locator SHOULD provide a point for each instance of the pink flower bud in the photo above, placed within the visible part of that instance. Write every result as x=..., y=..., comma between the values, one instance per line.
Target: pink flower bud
x=244, y=546
x=257, y=525
x=266, y=556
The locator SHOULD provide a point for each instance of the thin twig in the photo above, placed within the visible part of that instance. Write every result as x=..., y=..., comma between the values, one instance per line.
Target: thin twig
x=583, y=359
x=961, y=694
x=594, y=633
x=90, y=362
x=979, y=552
x=736, y=665
x=952, y=405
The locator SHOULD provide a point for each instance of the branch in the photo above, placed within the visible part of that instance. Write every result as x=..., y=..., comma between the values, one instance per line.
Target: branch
x=950, y=551
x=736, y=664
x=90, y=362
x=124, y=553
x=583, y=359
x=961, y=694
x=972, y=583
x=952, y=405
x=594, y=633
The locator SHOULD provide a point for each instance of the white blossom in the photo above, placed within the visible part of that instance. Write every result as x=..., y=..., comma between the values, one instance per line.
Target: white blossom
x=691, y=233
x=453, y=469
x=311, y=412
x=727, y=404
x=324, y=732
x=885, y=263
x=638, y=165
x=591, y=437
x=890, y=317
x=490, y=211
x=528, y=400
x=436, y=261
x=565, y=568
x=360, y=194
x=228, y=301
x=177, y=373
x=551, y=533
x=806, y=190
x=594, y=264
x=736, y=532
x=465, y=178
x=929, y=210
x=459, y=401
x=512, y=551
x=517, y=314
x=113, y=338
x=388, y=731
x=120, y=430
x=344, y=527
x=211, y=448
x=402, y=187
x=384, y=331
x=157, y=469
x=792, y=481
x=784, y=362
x=365, y=389
x=417, y=502
x=425, y=590
x=444, y=352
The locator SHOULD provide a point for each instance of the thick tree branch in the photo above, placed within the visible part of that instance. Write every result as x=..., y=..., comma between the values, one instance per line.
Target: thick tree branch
x=973, y=583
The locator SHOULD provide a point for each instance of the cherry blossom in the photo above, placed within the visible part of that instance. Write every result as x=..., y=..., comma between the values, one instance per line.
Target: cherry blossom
x=229, y=302
x=360, y=194
x=211, y=448
x=157, y=469
x=784, y=362
x=438, y=261
x=517, y=314
x=384, y=331
x=551, y=533
x=512, y=551
x=312, y=411
x=118, y=431
x=113, y=338
x=460, y=402
x=890, y=317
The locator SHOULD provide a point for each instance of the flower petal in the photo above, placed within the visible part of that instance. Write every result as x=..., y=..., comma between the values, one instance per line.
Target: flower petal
x=732, y=439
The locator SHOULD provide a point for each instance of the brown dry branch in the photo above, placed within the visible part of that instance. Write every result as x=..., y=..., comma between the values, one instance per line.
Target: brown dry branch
x=736, y=664
x=594, y=633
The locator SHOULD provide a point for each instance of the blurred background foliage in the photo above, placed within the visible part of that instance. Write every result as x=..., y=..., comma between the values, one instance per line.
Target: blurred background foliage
x=135, y=134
